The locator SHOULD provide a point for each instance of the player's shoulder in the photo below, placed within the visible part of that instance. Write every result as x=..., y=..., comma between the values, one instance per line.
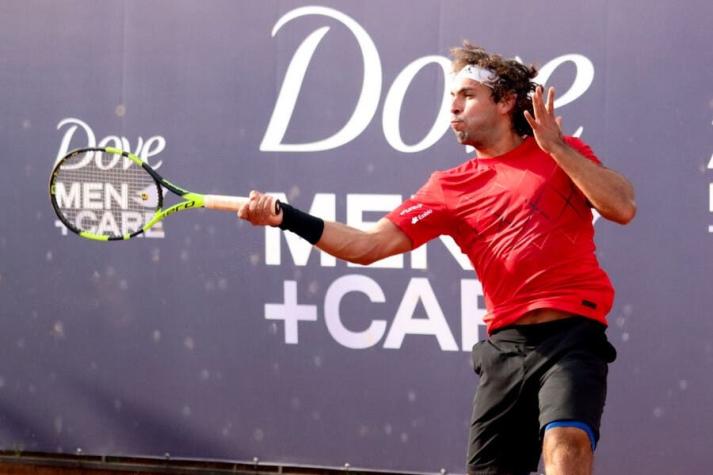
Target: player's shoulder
x=465, y=167
x=440, y=179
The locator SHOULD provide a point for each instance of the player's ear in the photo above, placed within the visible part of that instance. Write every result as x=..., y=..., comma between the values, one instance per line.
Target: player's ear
x=507, y=103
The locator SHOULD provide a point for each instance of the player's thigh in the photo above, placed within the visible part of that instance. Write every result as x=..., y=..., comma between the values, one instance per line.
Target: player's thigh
x=575, y=388
x=504, y=428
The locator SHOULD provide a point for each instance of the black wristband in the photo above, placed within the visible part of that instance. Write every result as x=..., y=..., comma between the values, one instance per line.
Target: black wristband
x=303, y=224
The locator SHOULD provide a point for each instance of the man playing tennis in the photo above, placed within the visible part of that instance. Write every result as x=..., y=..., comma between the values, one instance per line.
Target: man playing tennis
x=521, y=211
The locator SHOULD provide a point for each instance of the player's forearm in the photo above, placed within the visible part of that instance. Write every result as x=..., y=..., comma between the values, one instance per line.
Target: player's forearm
x=342, y=241
x=610, y=193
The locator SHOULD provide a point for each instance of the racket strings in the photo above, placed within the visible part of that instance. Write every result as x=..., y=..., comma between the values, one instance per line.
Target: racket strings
x=105, y=194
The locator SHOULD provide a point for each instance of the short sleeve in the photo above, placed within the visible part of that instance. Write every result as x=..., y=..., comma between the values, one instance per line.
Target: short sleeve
x=583, y=149
x=424, y=216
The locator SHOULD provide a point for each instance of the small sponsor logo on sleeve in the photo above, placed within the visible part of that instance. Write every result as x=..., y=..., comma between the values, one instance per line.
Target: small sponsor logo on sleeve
x=421, y=216
x=410, y=209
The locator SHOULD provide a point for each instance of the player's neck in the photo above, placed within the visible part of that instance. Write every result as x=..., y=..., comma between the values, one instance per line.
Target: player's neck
x=500, y=145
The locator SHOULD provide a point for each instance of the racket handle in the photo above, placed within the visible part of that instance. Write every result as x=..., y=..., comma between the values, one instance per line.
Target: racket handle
x=224, y=202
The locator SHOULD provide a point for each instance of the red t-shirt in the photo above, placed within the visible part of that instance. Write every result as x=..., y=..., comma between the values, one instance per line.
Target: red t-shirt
x=524, y=225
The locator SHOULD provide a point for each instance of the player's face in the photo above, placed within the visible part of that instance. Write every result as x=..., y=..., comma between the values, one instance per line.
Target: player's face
x=474, y=114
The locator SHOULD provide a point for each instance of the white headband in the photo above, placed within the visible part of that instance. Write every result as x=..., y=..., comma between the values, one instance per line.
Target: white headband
x=476, y=73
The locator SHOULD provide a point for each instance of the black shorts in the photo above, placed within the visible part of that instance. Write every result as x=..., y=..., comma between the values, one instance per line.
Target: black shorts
x=531, y=375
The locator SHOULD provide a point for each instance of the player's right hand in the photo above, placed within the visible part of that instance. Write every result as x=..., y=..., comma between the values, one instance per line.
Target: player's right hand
x=260, y=210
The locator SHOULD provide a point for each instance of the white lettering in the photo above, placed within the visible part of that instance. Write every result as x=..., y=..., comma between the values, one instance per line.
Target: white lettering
x=582, y=81
x=68, y=199
x=290, y=312
x=132, y=221
x=421, y=216
x=111, y=141
x=146, y=150
x=69, y=134
x=120, y=197
x=471, y=313
x=410, y=209
x=92, y=195
x=394, y=100
x=151, y=148
x=419, y=290
x=84, y=216
x=366, y=104
x=339, y=288
x=372, y=331
x=107, y=225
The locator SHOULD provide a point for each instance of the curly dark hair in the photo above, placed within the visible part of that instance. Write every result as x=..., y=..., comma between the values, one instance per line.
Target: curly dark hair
x=512, y=78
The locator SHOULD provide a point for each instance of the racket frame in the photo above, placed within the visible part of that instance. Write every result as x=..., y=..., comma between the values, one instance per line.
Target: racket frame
x=190, y=200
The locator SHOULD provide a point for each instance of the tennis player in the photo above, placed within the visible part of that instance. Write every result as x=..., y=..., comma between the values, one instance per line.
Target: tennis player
x=521, y=210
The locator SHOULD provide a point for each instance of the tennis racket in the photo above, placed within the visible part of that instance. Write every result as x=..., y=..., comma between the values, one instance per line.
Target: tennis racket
x=107, y=194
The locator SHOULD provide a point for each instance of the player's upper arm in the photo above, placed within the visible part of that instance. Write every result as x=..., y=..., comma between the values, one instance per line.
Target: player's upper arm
x=387, y=240
x=382, y=240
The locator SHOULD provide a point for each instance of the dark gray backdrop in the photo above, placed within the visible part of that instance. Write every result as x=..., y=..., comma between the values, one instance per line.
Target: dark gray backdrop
x=163, y=345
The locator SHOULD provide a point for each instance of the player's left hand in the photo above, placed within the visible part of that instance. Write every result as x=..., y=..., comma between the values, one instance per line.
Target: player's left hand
x=546, y=127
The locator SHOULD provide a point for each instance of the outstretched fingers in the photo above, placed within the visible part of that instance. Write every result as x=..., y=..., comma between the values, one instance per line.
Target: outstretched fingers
x=546, y=127
x=551, y=101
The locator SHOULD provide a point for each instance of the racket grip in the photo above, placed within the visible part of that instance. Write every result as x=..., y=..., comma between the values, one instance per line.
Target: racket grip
x=224, y=202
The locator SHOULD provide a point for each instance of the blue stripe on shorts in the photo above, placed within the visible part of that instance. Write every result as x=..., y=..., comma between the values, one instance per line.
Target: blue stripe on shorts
x=579, y=425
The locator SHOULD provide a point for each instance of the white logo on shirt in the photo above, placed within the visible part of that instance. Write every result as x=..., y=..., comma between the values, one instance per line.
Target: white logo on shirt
x=410, y=208
x=421, y=216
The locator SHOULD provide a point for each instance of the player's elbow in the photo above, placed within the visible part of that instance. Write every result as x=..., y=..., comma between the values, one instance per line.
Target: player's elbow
x=627, y=210
x=623, y=214
x=366, y=259
x=629, y=213
x=363, y=261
